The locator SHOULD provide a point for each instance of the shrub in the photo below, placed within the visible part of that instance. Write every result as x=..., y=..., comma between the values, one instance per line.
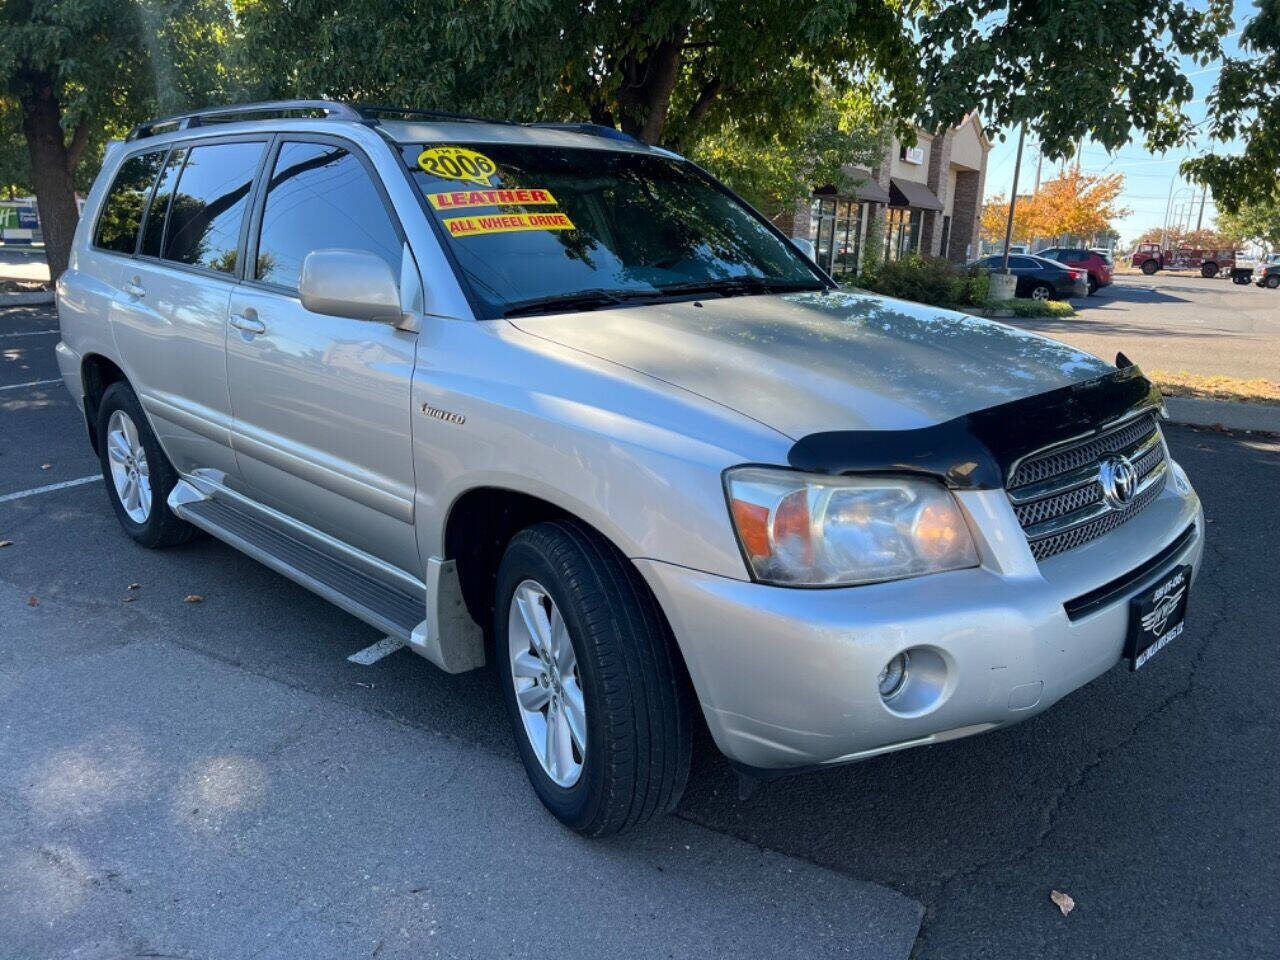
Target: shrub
x=931, y=280
x=1031, y=309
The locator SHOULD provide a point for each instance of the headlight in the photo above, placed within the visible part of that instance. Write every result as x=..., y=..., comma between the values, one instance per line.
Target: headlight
x=809, y=530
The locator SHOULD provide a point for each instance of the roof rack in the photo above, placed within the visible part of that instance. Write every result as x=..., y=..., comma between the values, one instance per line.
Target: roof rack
x=198, y=118
x=328, y=109
x=590, y=130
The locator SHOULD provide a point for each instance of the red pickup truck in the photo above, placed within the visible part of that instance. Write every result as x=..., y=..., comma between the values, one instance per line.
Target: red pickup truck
x=1149, y=258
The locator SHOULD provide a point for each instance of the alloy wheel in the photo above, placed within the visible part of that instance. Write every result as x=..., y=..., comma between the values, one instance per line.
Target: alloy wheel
x=548, y=686
x=130, y=473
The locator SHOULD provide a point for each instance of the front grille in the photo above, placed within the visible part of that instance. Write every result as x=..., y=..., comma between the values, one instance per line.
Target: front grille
x=1057, y=496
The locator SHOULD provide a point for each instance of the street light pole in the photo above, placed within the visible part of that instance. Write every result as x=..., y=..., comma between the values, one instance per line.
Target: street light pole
x=1013, y=198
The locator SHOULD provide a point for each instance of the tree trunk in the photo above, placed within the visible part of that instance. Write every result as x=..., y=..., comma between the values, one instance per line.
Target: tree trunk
x=648, y=82
x=51, y=171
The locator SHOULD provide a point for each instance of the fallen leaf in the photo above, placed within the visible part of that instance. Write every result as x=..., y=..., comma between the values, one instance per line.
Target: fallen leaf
x=1063, y=900
x=128, y=599
x=193, y=598
x=135, y=586
x=6, y=543
x=33, y=601
x=45, y=466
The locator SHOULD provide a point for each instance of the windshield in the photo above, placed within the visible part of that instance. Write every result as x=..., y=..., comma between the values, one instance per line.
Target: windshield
x=536, y=229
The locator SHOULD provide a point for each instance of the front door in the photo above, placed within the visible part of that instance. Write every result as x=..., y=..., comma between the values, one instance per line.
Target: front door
x=321, y=404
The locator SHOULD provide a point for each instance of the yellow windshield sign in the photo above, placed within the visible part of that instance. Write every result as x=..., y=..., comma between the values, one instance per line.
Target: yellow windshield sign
x=457, y=199
x=507, y=223
x=457, y=163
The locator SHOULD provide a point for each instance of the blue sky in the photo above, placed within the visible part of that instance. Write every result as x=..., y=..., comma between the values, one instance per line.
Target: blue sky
x=1148, y=176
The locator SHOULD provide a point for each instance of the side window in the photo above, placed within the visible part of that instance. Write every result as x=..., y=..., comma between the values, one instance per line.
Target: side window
x=121, y=214
x=153, y=229
x=320, y=196
x=1022, y=263
x=209, y=203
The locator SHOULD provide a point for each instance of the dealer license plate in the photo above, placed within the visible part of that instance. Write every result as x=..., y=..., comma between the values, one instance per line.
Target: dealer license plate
x=1157, y=616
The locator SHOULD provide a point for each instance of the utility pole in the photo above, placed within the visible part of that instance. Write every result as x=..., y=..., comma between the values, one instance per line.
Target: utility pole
x=1039, y=164
x=1200, y=219
x=1013, y=198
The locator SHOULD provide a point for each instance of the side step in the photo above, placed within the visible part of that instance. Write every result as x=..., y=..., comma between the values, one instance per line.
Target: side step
x=357, y=593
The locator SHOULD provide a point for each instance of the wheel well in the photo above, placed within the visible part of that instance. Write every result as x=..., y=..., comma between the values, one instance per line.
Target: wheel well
x=481, y=523
x=96, y=374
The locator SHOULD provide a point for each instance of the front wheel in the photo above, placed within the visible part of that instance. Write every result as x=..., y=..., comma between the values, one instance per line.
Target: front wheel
x=1273, y=282
x=1149, y=267
x=598, y=700
x=138, y=474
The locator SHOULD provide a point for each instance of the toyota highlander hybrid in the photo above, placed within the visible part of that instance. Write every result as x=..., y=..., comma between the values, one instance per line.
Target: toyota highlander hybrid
x=545, y=397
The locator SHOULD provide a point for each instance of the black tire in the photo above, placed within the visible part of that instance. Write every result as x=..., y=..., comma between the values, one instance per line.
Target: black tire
x=1149, y=267
x=161, y=528
x=1272, y=282
x=1093, y=286
x=638, y=702
x=1209, y=270
x=1041, y=291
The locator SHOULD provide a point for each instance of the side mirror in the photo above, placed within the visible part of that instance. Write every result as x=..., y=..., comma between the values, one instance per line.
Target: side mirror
x=806, y=247
x=350, y=283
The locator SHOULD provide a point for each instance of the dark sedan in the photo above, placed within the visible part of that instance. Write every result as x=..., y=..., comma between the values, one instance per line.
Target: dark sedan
x=1038, y=278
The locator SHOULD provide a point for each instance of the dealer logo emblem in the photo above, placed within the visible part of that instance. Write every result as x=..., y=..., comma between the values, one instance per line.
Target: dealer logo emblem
x=1118, y=478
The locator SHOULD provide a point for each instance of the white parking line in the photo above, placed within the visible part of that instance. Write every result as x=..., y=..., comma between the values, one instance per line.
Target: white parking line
x=27, y=333
x=30, y=383
x=375, y=652
x=49, y=488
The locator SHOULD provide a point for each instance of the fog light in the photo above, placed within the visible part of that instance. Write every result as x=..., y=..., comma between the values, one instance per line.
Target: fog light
x=894, y=676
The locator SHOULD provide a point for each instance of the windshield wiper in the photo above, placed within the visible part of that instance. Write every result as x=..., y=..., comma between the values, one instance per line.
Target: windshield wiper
x=579, y=300
x=735, y=286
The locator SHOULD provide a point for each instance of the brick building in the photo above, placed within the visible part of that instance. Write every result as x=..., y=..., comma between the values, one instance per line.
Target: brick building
x=926, y=198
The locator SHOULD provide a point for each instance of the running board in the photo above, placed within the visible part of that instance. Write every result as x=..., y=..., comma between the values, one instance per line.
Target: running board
x=380, y=606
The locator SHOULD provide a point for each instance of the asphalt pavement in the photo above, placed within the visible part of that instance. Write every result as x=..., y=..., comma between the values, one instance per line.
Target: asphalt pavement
x=1177, y=322
x=215, y=779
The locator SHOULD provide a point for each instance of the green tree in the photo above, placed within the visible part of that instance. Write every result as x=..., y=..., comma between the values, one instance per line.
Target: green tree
x=80, y=71
x=1070, y=70
x=1254, y=221
x=670, y=71
x=1246, y=102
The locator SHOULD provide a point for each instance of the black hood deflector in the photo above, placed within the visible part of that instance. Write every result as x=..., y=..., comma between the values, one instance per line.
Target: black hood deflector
x=977, y=451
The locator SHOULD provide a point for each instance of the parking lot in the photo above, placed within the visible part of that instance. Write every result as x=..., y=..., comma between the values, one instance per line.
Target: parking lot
x=191, y=767
x=1178, y=323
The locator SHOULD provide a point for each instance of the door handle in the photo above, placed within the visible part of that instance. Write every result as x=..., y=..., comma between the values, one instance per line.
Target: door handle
x=134, y=288
x=248, y=321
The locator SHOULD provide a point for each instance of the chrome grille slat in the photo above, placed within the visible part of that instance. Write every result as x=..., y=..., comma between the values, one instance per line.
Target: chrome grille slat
x=1056, y=495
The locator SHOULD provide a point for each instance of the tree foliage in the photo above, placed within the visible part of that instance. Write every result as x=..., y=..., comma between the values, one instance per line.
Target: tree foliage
x=1245, y=102
x=1254, y=222
x=1072, y=204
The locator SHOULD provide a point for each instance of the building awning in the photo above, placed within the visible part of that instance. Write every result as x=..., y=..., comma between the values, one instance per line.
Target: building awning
x=872, y=191
x=908, y=193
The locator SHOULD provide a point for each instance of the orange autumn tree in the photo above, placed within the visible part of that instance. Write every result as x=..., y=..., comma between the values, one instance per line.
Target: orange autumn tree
x=1072, y=204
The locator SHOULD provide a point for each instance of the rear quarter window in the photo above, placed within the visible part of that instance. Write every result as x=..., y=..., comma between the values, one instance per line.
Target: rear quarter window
x=121, y=216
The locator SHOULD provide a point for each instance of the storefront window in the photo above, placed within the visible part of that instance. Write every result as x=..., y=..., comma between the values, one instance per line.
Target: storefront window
x=901, y=232
x=822, y=216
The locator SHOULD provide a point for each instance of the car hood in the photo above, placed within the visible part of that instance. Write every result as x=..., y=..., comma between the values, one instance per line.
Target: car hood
x=808, y=362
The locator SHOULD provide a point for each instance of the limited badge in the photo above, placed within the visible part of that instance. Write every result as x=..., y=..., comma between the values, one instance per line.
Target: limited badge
x=457, y=163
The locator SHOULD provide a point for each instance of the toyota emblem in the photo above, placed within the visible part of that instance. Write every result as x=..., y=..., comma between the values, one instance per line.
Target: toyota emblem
x=1118, y=478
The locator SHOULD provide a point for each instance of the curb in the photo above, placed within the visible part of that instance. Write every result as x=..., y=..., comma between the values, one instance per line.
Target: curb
x=25, y=299
x=1227, y=414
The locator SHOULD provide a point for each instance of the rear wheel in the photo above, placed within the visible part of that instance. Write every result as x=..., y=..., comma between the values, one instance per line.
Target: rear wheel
x=138, y=474
x=1209, y=270
x=1093, y=286
x=1149, y=267
x=1041, y=291
x=599, y=703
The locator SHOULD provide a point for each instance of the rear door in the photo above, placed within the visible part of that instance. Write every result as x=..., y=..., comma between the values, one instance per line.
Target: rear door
x=322, y=404
x=171, y=325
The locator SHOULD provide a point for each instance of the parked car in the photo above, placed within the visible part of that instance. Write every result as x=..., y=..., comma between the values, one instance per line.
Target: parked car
x=547, y=396
x=1269, y=276
x=1094, y=264
x=1106, y=254
x=1039, y=278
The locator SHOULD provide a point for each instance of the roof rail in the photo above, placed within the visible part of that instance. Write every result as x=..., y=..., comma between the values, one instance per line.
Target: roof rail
x=197, y=118
x=375, y=111
x=590, y=130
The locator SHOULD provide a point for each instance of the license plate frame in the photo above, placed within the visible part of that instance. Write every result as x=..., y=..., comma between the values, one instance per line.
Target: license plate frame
x=1157, y=616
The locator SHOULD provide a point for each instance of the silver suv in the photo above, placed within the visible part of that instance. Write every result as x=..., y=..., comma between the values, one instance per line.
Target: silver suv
x=544, y=396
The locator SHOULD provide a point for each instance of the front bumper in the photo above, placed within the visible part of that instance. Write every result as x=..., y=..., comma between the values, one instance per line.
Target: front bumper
x=788, y=677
